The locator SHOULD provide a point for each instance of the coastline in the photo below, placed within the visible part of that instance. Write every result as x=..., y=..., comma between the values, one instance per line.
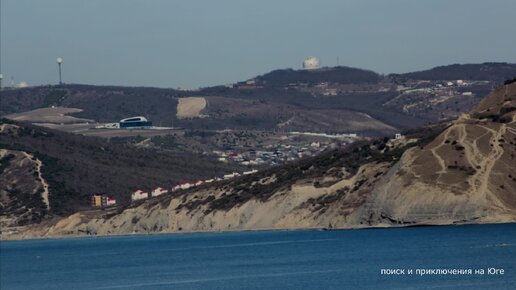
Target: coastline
x=141, y=234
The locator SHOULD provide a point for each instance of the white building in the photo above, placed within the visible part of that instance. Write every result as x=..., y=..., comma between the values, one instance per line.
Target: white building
x=158, y=191
x=231, y=175
x=185, y=185
x=139, y=194
x=250, y=172
x=311, y=62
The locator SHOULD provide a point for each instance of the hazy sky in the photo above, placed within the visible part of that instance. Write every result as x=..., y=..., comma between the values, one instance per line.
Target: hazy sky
x=193, y=43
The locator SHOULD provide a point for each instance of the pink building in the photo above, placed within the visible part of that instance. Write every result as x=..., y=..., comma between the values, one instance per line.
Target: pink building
x=111, y=201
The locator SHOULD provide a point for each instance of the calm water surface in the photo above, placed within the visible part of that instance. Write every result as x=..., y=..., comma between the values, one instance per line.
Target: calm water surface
x=266, y=260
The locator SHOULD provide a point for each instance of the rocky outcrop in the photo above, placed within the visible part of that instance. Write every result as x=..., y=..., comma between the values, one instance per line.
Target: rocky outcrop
x=466, y=174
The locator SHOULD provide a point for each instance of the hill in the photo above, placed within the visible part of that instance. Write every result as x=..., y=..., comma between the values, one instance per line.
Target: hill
x=331, y=100
x=45, y=172
x=455, y=173
x=100, y=103
x=340, y=74
x=493, y=71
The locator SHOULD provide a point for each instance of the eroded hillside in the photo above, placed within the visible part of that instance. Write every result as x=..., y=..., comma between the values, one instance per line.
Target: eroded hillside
x=465, y=174
x=24, y=191
x=461, y=172
x=49, y=173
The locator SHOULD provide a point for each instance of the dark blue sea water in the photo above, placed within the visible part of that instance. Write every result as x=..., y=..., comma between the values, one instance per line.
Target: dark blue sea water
x=350, y=259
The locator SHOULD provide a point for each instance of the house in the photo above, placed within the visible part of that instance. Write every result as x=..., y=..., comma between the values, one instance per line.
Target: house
x=139, y=194
x=199, y=182
x=158, y=191
x=397, y=136
x=102, y=200
x=185, y=185
x=111, y=201
x=250, y=172
x=229, y=176
x=96, y=200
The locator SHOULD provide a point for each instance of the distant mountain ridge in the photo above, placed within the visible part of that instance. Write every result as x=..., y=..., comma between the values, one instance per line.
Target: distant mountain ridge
x=329, y=100
x=494, y=71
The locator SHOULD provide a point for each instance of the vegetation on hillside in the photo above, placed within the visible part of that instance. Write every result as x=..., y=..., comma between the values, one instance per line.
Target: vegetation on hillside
x=341, y=74
x=76, y=166
x=494, y=71
x=262, y=185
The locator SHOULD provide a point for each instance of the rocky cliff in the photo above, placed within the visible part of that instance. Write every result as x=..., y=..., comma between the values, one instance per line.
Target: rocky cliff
x=461, y=173
x=466, y=174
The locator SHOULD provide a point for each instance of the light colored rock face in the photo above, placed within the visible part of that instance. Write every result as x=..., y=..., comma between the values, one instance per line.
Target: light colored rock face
x=190, y=107
x=301, y=206
x=465, y=175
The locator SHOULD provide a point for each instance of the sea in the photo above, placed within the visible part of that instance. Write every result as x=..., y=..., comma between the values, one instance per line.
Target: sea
x=439, y=257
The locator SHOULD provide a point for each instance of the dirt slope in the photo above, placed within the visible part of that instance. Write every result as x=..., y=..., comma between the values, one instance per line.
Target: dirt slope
x=467, y=173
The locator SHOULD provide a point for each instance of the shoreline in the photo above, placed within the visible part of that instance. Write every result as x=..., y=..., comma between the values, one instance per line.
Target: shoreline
x=61, y=237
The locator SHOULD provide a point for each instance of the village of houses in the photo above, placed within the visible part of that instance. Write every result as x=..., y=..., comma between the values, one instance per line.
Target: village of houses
x=274, y=155
x=100, y=200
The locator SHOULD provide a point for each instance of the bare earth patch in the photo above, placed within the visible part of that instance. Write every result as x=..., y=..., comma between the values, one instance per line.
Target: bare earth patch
x=55, y=115
x=190, y=107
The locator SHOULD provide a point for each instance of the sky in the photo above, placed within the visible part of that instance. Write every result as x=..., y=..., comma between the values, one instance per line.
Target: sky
x=198, y=43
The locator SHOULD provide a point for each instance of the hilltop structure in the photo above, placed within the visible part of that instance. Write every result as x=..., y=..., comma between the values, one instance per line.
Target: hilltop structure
x=311, y=62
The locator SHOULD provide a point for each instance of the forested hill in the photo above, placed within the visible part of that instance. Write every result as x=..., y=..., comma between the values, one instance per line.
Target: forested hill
x=492, y=71
x=75, y=166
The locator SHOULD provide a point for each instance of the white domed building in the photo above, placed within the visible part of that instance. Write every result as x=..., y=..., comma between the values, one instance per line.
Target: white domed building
x=311, y=62
x=22, y=85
